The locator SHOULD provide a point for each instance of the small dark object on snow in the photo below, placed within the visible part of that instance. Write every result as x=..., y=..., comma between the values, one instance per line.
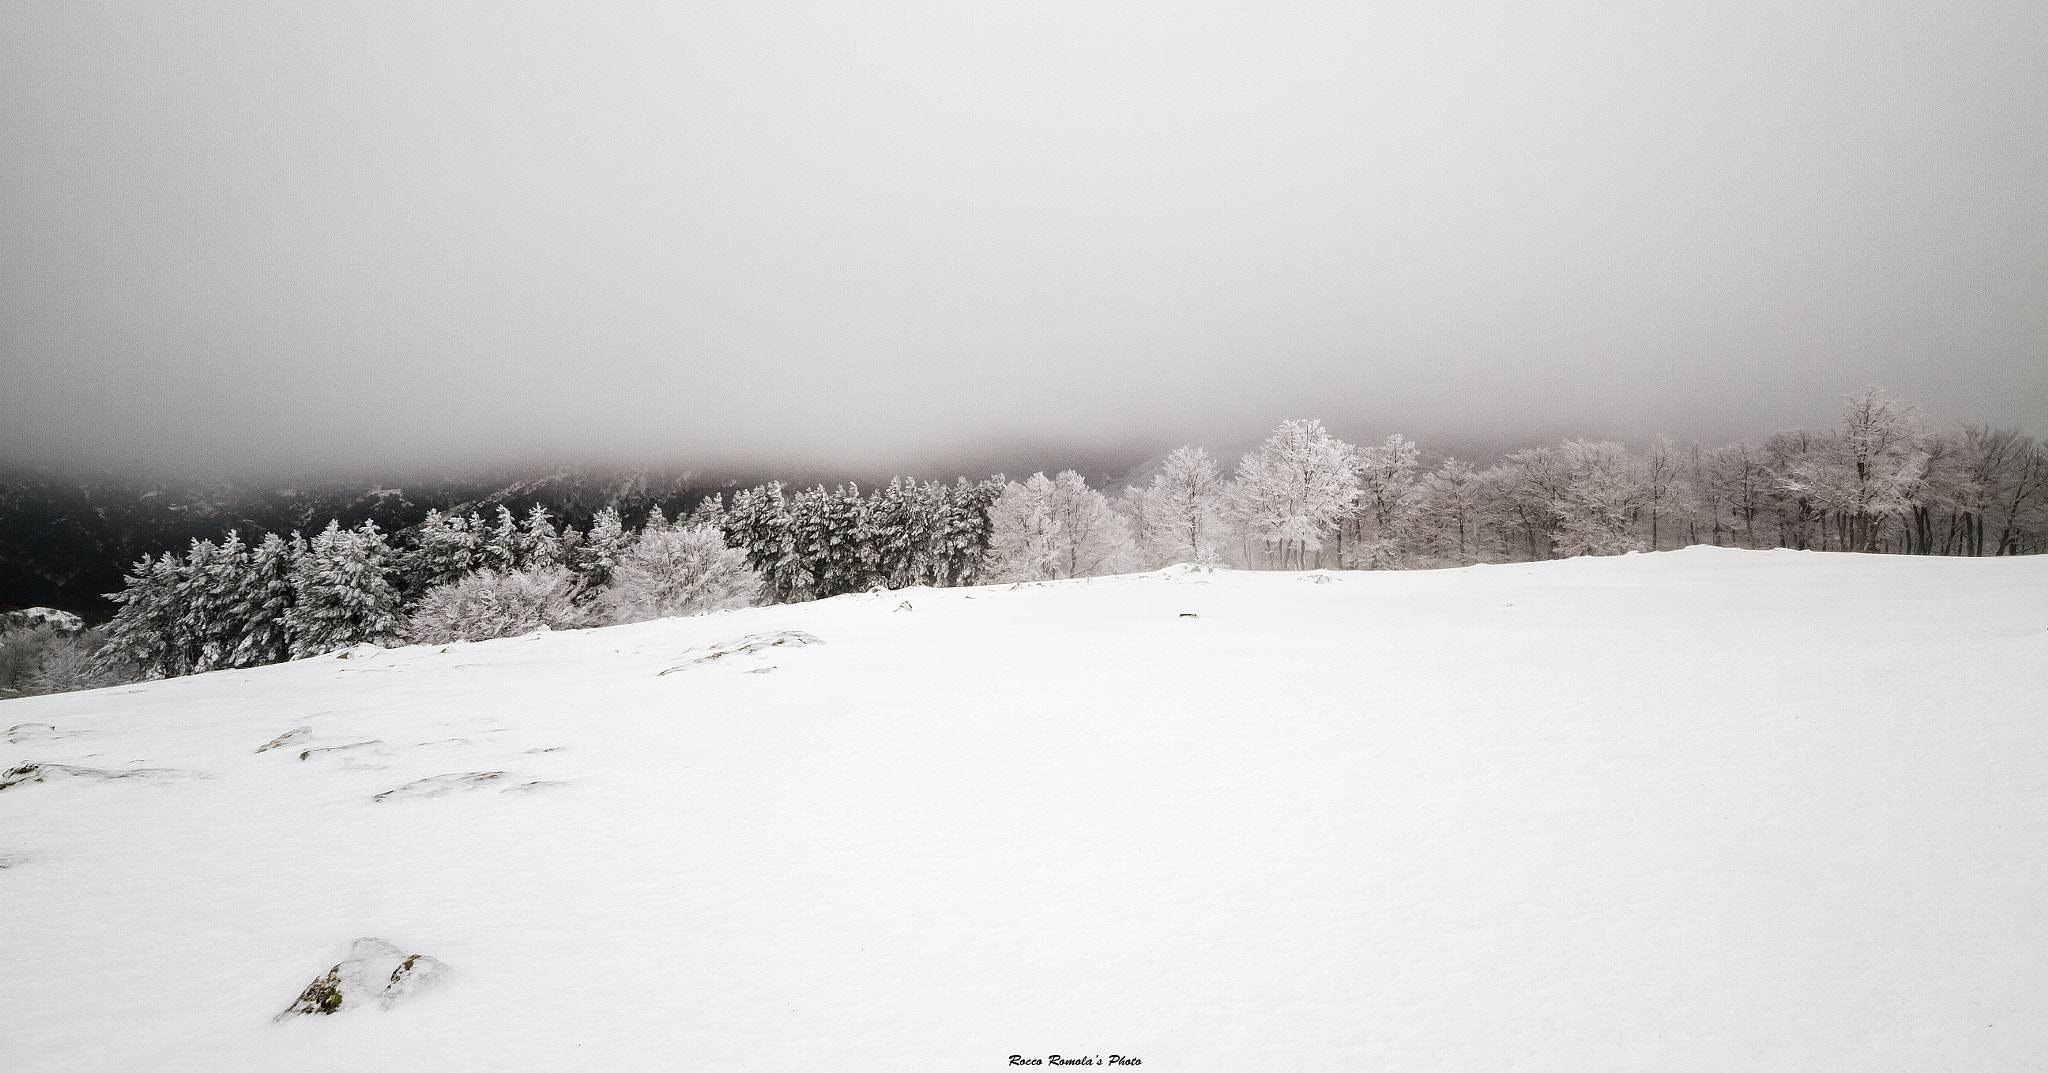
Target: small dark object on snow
x=1189, y=614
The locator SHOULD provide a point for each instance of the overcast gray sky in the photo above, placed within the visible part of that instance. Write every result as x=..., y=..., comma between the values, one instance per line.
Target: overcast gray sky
x=415, y=233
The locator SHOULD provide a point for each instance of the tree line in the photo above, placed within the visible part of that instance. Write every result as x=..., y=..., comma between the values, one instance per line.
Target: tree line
x=1304, y=499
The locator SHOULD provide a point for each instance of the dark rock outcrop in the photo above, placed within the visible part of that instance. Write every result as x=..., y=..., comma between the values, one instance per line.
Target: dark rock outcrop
x=375, y=973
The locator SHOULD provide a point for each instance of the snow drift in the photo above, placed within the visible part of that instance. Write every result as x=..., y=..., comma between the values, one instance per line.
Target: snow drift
x=1699, y=810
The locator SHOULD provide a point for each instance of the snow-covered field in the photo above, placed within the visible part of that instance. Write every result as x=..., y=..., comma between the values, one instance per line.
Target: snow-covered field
x=1705, y=810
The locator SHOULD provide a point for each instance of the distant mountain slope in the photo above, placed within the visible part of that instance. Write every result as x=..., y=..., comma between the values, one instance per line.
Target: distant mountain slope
x=66, y=542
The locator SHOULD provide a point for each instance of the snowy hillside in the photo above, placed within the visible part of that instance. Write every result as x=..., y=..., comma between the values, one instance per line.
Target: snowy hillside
x=1704, y=810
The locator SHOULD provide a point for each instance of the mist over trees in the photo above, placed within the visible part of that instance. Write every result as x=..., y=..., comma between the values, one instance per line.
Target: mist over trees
x=1874, y=482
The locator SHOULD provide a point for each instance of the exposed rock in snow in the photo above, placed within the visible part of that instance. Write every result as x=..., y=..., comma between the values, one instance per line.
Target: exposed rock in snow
x=289, y=737
x=437, y=785
x=33, y=772
x=417, y=971
x=374, y=973
x=751, y=643
x=31, y=733
x=307, y=754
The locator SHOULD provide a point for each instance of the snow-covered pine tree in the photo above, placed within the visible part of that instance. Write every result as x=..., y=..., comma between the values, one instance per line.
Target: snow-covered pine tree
x=501, y=543
x=144, y=633
x=598, y=553
x=441, y=550
x=209, y=595
x=808, y=538
x=966, y=530
x=709, y=510
x=539, y=544
x=759, y=522
x=263, y=601
x=895, y=523
x=847, y=562
x=341, y=597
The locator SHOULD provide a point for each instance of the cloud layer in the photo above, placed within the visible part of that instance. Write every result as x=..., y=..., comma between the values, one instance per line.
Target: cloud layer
x=349, y=234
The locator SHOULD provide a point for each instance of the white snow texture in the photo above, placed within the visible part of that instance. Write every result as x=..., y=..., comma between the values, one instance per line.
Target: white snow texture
x=1703, y=810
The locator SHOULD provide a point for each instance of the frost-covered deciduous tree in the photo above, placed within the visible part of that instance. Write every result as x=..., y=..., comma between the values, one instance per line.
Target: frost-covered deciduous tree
x=1518, y=496
x=341, y=597
x=1662, y=476
x=1181, y=513
x=1867, y=472
x=1739, y=480
x=1385, y=507
x=680, y=570
x=488, y=604
x=1799, y=511
x=1056, y=528
x=2018, y=501
x=1598, y=498
x=1025, y=546
x=40, y=659
x=1578, y=498
x=1294, y=489
x=1091, y=538
x=1447, y=512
